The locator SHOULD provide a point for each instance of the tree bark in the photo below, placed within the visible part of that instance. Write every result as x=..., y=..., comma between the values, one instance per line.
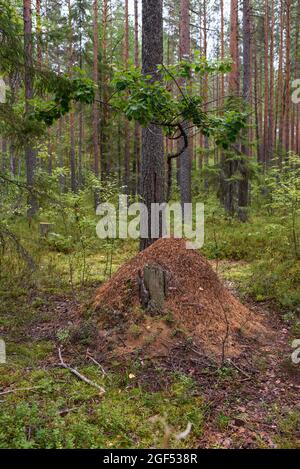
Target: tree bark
x=244, y=182
x=126, y=124
x=72, y=117
x=266, y=83
x=38, y=32
x=297, y=72
x=184, y=54
x=222, y=49
x=103, y=79
x=152, y=165
x=137, y=130
x=271, y=131
x=95, y=120
x=30, y=154
x=205, y=90
x=280, y=93
x=287, y=91
x=229, y=165
x=234, y=49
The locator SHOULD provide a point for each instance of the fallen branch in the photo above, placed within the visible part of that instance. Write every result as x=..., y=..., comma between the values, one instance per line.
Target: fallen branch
x=238, y=368
x=9, y=391
x=20, y=249
x=185, y=433
x=204, y=357
x=79, y=375
x=67, y=411
x=97, y=363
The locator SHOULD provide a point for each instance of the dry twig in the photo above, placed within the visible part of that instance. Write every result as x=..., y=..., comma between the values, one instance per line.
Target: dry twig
x=79, y=375
x=97, y=363
x=238, y=368
x=9, y=391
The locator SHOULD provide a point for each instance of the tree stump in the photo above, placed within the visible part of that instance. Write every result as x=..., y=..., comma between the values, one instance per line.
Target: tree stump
x=152, y=288
x=45, y=228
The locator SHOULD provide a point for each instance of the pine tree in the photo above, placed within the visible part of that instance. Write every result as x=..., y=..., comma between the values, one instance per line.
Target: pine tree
x=96, y=80
x=152, y=164
x=247, y=85
x=137, y=130
x=126, y=122
x=184, y=53
x=30, y=154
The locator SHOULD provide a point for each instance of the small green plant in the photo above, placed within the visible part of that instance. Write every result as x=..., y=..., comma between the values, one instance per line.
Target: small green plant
x=135, y=330
x=222, y=421
x=283, y=185
x=289, y=430
x=63, y=335
x=169, y=318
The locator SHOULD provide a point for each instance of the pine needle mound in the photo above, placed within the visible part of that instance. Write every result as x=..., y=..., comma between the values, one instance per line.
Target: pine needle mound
x=198, y=308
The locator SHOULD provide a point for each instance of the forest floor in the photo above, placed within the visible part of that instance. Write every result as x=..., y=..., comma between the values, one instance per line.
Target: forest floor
x=242, y=404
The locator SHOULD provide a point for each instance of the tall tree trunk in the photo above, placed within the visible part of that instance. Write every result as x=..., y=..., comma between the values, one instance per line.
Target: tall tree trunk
x=61, y=155
x=266, y=83
x=137, y=130
x=38, y=32
x=222, y=49
x=271, y=132
x=152, y=166
x=297, y=72
x=126, y=125
x=287, y=90
x=13, y=160
x=3, y=154
x=50, y=155
x=72, y=153
x=233, y=82
x=30, y=154
x=80, y=145
x=80, y=110
x=280, y=91
x=222, y=184
x=104, y=138
x=72, y=117
x=205, y=88
x=244, y=182
x=95, y=119
x=229, y=165
x=256, y=107
x=184, y=54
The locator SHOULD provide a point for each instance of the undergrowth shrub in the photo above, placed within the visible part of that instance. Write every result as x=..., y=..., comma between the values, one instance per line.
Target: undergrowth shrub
x=266, y=242
x=276, y=279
